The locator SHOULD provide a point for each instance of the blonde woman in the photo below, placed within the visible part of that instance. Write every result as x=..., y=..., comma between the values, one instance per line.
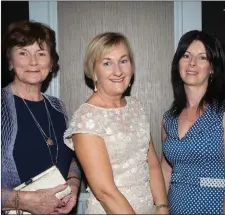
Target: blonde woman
x=110, y=135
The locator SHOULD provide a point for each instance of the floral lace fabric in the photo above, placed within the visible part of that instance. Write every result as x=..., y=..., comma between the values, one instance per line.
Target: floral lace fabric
x=126, y=133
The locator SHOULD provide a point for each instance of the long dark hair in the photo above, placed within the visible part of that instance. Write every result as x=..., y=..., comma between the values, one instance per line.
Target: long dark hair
x=216, y=87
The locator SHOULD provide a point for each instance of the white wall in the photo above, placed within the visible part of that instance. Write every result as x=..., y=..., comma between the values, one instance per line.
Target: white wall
x=187, y=16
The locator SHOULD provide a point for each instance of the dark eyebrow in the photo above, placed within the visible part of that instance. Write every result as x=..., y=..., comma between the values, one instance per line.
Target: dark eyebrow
x=21, y=48
x=24, y=49
x=198, y=54
x=43, y=50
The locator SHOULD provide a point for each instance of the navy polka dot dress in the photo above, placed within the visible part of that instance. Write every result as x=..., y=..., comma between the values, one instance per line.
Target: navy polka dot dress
x=198, y=164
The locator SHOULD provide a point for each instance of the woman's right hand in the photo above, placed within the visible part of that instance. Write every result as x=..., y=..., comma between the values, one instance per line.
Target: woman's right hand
x=43, y=201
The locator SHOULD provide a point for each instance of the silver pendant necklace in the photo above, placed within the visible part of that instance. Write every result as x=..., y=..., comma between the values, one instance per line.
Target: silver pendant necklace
x=48, y=140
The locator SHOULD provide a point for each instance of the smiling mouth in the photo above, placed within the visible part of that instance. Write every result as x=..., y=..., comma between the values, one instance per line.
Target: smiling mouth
x=191, y=73
x=34, y=71
x=117, y=80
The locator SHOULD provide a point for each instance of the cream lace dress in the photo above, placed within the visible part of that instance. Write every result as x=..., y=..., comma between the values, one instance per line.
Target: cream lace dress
x=126, y=133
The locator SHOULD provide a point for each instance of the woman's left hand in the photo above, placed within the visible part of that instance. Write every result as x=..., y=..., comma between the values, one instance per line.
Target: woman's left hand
x=69, y=201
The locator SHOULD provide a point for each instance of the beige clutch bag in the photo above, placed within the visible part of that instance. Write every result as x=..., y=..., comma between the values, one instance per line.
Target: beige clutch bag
x=47, y=179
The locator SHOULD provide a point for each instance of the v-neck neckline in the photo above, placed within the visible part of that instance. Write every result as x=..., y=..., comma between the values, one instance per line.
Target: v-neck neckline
x=193, y=125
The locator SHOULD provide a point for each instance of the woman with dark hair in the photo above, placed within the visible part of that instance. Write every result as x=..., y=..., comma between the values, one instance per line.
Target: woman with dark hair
x=193, y=163
x=33, y=123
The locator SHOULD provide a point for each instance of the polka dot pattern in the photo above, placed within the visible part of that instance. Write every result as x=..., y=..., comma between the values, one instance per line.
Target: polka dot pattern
x=197, y=183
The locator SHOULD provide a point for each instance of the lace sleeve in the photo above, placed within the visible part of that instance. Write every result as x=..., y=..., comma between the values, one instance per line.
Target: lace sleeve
x=84, y=120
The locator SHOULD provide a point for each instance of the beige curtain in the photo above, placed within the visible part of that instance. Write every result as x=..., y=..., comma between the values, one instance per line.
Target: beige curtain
x=149, y=27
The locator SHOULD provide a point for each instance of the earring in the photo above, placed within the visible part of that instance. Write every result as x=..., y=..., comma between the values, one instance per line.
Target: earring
x=129, y=85
x=95, y=87
x=10, y=68
x=210, y=77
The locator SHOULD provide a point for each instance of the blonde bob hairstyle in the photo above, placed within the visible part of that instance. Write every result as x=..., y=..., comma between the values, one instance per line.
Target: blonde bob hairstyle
x=101, y=45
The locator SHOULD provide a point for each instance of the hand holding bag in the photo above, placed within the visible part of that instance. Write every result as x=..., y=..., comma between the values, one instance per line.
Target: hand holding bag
x=45, y=180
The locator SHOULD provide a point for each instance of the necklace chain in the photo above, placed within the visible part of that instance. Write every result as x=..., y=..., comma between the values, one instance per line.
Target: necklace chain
x=50, y=120
x=48, y=140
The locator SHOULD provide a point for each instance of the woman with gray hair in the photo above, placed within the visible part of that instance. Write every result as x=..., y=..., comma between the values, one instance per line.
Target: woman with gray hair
x=110, y=134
